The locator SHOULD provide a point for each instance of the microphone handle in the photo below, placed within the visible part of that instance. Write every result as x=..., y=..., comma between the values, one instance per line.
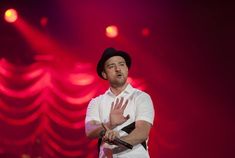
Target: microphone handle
x=118, y=141
x=121, y=142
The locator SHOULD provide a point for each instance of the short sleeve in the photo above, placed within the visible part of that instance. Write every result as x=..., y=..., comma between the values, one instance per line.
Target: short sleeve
x=145, y=109
x=92, y=112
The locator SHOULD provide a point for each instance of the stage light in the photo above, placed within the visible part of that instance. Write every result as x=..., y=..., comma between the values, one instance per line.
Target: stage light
x=112, y=31
x=44, y=21
x=11, y=15
x=145, y=32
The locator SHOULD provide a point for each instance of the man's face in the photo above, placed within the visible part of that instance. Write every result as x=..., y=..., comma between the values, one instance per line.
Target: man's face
x=116, y=71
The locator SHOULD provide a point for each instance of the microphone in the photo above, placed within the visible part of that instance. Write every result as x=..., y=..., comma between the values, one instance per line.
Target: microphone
x=118, y=141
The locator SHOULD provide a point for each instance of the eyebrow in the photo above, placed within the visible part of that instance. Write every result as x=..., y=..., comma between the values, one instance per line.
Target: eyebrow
x=121, y=62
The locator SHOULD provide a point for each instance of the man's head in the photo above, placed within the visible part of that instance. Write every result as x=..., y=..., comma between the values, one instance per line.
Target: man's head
x=113, y=65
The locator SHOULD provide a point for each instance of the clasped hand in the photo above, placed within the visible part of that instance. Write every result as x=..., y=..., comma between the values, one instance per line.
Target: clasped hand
x=116, y=118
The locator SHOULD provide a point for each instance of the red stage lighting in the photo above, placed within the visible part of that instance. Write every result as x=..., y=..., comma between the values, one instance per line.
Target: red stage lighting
x=145, y=32
x=44, y=21
x=111, y=31
x=11, y=15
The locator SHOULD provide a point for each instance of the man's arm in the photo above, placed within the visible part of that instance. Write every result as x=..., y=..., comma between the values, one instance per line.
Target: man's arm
x=139, y=134
x=93, y=128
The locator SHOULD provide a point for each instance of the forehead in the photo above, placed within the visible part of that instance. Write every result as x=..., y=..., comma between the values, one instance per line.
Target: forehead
x=115, y=59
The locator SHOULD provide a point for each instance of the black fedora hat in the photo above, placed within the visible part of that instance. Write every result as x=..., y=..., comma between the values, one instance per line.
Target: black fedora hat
x=108, y=53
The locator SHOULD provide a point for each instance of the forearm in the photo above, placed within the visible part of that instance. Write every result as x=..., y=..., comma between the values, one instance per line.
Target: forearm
x=138, y=135
x=93, y=128
x=135, y=137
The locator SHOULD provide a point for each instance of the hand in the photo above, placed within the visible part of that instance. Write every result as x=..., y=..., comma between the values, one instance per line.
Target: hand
x=109, y=135
x=116, y=113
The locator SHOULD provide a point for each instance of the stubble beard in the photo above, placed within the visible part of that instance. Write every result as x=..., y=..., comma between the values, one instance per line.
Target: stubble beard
x=118, y=82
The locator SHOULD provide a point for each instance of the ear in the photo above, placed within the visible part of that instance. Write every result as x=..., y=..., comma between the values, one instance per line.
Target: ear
x=104, y=75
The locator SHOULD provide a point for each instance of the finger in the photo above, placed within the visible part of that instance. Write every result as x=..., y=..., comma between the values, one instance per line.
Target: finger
x=120, y=103
x=113, y=136
x=105, y=127
x=109, y=135
x=124, y=106
x=104, y=139
x=116, y=103
x=112, y=106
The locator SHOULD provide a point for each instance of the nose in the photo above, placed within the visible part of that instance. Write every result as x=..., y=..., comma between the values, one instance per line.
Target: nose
x=118, y=68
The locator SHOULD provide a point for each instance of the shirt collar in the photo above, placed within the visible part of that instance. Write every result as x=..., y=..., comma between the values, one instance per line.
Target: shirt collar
x=127, y=90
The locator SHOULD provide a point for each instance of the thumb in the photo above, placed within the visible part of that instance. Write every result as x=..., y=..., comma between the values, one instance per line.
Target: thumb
x=105, y=127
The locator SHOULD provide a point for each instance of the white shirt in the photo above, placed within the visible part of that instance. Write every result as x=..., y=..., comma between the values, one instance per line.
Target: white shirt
x=140, y=107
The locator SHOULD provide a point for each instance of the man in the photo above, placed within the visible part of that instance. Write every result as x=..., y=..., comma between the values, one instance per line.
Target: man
x=122, y=112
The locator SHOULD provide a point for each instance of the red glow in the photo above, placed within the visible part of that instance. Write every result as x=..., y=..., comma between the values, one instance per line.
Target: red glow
x=112, y=31
x=33, y=74
x=58, y=137
x=25, y=156
x=81, y=79
x=21, y=122
x=3, y=71
x=44, y=21
x=145, y=32
x=66, y=153
x=74, y=100
x=38, y=99
x=11, y=15
x=137, y=83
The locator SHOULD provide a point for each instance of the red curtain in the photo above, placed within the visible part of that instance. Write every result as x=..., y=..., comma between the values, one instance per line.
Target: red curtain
x=42, y=110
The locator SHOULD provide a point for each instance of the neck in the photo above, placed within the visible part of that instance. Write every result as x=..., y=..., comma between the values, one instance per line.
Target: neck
x=117, y=90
